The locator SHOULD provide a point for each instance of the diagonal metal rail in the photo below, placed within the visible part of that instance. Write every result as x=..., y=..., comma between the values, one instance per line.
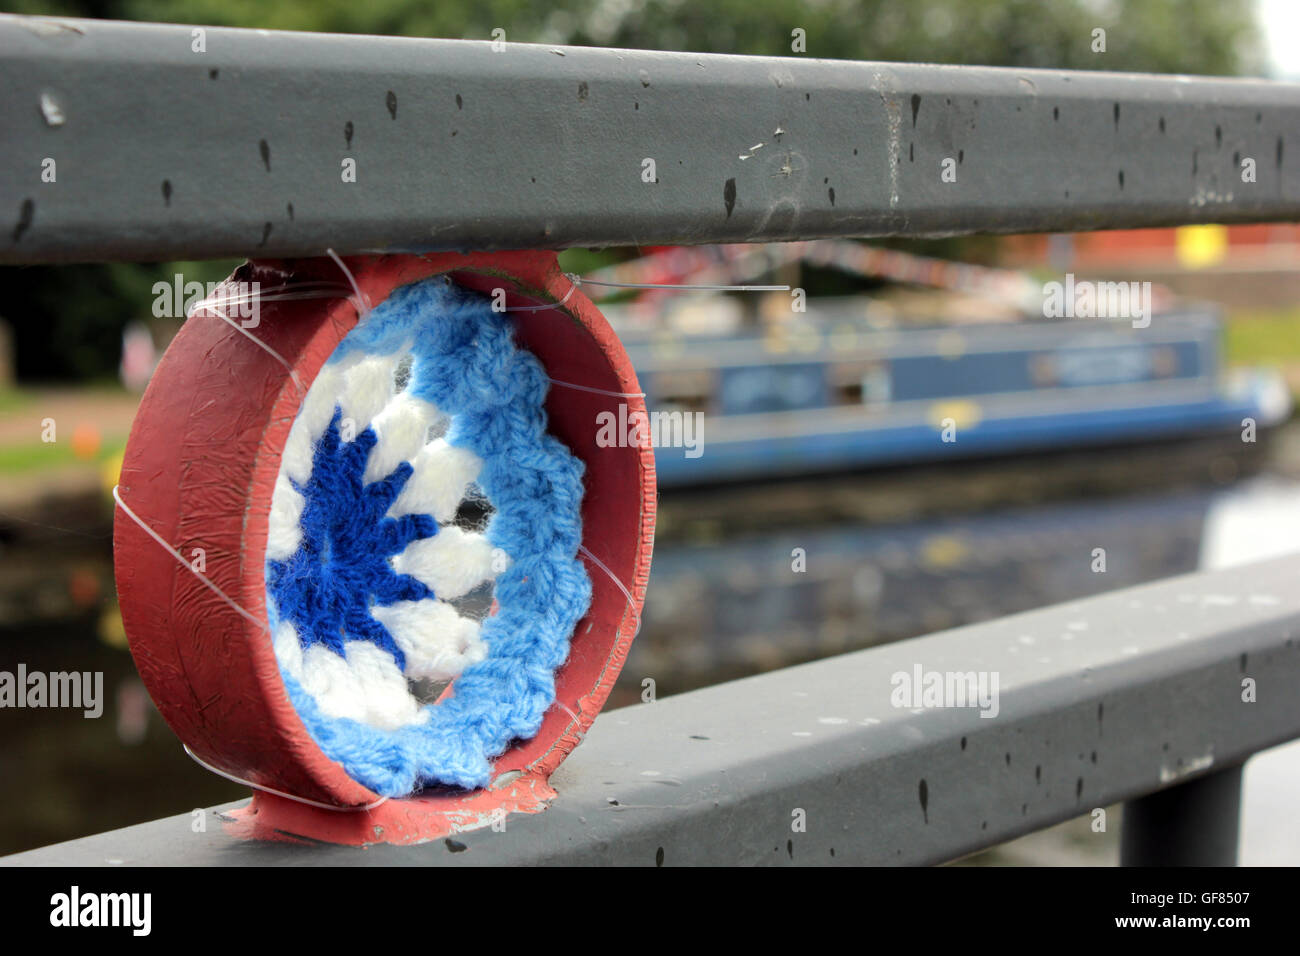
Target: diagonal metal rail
x=164, y=152
x=1135, y=692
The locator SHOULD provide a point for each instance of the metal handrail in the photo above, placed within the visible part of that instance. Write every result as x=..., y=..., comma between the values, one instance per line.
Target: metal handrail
x=1132, y=695
x=164, y=152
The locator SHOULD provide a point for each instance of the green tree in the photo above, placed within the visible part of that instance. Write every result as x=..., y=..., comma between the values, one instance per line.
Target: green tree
x=1211, y=37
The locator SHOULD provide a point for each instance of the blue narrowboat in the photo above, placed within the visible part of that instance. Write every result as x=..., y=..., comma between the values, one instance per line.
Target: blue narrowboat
x=833, y=391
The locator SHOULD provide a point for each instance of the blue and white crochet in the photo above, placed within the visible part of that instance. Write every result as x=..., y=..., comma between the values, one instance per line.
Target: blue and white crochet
x=364, y=562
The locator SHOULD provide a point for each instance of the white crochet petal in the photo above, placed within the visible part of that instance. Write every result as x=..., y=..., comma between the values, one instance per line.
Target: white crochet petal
x=288, y=649
x=437, y=487
x=401, y=429
x=452, y=562
x=366, y=687
x=438, y=642
x=318, y=407
x=368, y=386
x=299, y=448
x=284, y=531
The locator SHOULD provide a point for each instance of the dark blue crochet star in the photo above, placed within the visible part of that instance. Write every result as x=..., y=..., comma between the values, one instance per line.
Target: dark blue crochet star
x=341, y=569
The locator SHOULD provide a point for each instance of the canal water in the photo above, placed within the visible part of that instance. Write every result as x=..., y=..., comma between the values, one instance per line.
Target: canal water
x=746, y=578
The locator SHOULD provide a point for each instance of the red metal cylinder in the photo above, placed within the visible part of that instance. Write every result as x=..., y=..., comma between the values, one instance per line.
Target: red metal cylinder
x=199, y=470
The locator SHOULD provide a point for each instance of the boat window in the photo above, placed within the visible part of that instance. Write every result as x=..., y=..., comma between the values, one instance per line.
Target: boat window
x=687, y=390
x=1164, y=362
x=859, y=383
x=782, y=387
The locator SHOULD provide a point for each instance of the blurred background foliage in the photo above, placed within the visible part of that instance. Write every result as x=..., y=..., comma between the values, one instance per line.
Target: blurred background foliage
x=1159, y=36
x=67, y=321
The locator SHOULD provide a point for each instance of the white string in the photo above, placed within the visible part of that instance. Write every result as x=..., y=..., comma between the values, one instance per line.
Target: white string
x=279, y=793
x=261, y=624
x=321, y=290
x=307, y=291
x=614, y=577
x=542, y=308
x=574, y=282
x=209, y=305
x=597, y=391
x=363, y=301
x=630, y=602
x=578, y=280
x=304, y=290
x=565, y=707
x=181, y=558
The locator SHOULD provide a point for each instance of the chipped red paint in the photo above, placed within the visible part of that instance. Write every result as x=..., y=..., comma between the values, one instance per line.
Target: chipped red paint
x=199, y=468
x=414, y=820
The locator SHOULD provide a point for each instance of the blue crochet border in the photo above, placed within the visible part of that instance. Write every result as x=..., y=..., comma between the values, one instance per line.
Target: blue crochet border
x=466, y=363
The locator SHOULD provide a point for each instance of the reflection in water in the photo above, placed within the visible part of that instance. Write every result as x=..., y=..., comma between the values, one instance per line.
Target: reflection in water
x=761, y=577
x=746, y=605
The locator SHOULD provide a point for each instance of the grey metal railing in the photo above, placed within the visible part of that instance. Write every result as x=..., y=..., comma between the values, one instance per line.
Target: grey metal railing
x=163, y=152
x=1134, y=695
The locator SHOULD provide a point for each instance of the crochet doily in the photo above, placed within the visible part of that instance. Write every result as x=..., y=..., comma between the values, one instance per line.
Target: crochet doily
x=424, y=529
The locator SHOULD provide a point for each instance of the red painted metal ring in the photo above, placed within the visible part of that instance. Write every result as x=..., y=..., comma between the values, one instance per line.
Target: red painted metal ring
x=199, y=470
